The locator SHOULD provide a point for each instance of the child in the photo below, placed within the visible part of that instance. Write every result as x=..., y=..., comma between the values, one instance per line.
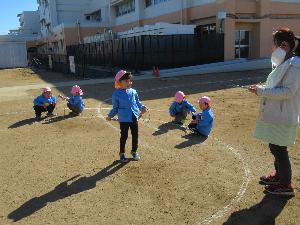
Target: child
x=127, y=105
x=202, y=123
x=44, y=103
x=180, y=108
x=75, y=103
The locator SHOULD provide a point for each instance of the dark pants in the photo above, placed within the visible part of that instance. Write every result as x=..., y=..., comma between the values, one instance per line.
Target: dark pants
x=193, y=127
x=74, y=109
x=134, y=128
x=282, y=163
x=39, y=109
x=181, y=116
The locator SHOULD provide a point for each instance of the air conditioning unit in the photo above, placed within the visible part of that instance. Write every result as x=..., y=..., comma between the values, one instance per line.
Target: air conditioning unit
x=221, y=15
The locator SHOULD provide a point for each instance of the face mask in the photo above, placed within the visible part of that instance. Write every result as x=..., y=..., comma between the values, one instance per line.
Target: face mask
x=278, y=56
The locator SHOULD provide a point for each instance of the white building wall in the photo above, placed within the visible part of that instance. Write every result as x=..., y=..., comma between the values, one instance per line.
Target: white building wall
x=29, y=23
x=163, y=8
x=72, y=10
x=191, y=3
x=13, y=54
x=57, y=12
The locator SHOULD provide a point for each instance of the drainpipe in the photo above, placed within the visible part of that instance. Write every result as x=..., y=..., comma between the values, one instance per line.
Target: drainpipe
x=181, y=12
x=109, y=13
x=78, y=31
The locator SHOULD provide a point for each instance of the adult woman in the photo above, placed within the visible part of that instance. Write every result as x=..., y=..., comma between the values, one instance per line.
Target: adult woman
x=279, y=112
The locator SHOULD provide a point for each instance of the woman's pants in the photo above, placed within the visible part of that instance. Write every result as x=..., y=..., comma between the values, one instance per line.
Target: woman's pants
x=282, y=163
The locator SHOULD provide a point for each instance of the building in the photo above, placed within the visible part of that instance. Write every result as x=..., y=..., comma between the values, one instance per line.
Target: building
x=67, y=22
x=15, y=45
x=29, y=23
x=247, y=24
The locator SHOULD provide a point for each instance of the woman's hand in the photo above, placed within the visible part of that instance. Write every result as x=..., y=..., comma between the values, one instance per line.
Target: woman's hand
x=144, y=110
x=253, y=89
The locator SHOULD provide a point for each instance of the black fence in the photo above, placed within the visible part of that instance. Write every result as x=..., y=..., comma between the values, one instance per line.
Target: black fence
x=142, y=53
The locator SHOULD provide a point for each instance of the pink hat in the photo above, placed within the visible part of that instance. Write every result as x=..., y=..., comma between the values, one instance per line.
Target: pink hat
x=76, y=90
x=120, y=74
x=179, y=96
x=206, y=100
x=45, y=89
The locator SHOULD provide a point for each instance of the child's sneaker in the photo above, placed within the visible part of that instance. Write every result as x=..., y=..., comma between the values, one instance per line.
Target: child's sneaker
x=175, y=122
x=74, y=114
x=280, y=189
x=269, y=179
x=135, y=156
x=38, y=118
x=51, y=114
x=123, y=158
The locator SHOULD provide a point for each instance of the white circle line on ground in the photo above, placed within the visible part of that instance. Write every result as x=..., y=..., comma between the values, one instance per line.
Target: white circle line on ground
x=243, y=187
x=12, y=113
x=236, y=152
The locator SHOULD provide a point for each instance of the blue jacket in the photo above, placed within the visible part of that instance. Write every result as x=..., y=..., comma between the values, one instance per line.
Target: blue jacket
x=125, y=103
x=176, y=108
x=77, y=101
x=40, y=100
x=205, y=121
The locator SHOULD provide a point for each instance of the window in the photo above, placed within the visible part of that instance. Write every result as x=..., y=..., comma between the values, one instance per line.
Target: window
x=154, y=2
x=96, y=16
x=125, y=7
x=242, y=44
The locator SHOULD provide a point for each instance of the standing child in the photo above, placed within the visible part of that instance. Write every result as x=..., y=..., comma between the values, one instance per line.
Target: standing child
x=202, y=123
x=127, y=105
x=180, y=108
x=75, y=103
x=44, y=103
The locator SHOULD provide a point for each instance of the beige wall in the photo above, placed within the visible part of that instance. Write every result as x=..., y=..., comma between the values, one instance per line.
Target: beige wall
x=125, y=27
x=170, y=18
x=246, y=6
x=71, y=34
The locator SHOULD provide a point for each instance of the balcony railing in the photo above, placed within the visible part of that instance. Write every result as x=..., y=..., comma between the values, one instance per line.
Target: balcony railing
x=115, y=2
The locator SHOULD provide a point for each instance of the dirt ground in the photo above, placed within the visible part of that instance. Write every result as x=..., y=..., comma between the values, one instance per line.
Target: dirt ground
x=65, y=170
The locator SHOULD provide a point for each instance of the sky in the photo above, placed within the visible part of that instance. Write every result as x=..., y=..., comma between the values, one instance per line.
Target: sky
x=9, y=11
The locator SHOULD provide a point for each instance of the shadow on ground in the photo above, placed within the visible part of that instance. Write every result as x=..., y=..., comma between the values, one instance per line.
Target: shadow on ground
x=191, y=139
x=44, y=120
x=22, y=123
x=263, y=213
x=58, y=118
x=166, y=127
x=158, y=88
x=64, y=190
